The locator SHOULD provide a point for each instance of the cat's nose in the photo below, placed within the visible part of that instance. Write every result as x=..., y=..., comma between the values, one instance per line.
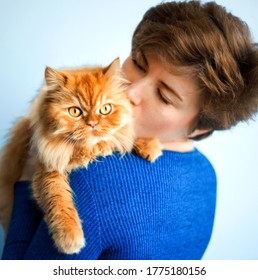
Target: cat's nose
x=92, y=123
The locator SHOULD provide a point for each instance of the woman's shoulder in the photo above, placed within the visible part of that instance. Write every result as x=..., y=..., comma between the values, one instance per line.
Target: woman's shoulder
x=130, y=167
x=116, y=164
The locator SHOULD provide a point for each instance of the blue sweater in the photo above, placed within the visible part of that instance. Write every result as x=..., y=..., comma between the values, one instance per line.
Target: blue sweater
x=130, y=208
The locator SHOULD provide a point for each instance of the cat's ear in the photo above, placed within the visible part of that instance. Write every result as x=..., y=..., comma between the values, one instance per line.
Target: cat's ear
x=113, y=68
x=54, y=77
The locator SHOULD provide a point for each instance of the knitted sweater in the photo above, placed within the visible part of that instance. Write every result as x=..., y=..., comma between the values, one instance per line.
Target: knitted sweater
x=130, y=209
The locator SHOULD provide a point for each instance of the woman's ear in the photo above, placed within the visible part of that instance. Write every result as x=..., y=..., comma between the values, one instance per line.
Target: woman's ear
x=198, y=133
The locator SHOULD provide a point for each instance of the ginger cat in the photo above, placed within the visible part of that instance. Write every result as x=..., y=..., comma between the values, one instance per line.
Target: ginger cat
x=79, y=114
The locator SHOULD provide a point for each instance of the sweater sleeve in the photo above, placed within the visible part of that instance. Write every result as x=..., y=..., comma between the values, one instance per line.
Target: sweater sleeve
x=24, y=222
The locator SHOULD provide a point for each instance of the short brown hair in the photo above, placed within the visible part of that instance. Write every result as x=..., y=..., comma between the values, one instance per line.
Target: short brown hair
x=216, y=48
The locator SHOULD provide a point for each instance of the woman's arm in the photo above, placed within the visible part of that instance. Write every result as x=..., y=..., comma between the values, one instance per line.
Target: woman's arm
x=25, y=220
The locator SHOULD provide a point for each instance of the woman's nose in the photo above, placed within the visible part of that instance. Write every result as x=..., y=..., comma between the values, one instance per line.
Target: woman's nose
x=135, y=92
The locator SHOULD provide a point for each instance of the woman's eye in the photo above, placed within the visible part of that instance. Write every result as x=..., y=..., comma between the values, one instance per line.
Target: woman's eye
x=138, y=65
x=163, y=98
x=74, y=112
x=106, y=109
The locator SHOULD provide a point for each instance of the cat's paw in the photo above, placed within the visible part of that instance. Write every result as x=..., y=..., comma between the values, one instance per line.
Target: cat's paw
x=70, y=244
x=68, y=236
x=148, y=148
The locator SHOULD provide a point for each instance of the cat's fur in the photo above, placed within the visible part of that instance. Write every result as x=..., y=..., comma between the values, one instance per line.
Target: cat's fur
x=79, y=114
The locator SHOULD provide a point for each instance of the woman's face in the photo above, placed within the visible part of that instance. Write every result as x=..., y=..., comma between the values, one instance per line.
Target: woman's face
x=165, y=105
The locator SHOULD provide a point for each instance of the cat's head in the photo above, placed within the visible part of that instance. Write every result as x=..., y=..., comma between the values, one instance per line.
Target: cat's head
x=86, y=105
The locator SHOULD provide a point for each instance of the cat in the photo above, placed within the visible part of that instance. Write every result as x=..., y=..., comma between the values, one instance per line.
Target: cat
x=80, y=114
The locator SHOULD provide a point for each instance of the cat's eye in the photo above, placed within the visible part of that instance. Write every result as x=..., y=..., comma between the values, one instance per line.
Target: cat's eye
x=106, y=109
x=74, y=112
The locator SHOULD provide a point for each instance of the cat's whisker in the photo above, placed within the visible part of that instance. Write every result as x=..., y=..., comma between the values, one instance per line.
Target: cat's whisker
x=121, y=140
x=124, y=138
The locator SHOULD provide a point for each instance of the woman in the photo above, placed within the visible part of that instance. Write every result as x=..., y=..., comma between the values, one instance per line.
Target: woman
x=193, y=69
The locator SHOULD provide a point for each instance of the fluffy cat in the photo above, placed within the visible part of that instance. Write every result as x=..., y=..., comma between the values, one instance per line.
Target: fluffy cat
x=79, y=115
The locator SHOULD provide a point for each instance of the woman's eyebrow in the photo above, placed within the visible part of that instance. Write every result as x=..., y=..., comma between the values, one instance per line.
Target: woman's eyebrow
x=143, y=57
x=171, y=90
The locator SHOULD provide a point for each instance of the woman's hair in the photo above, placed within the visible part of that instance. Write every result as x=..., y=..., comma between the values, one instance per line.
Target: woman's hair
x=212, y=45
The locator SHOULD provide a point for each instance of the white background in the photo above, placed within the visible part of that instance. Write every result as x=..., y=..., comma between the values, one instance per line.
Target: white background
x=62, y=33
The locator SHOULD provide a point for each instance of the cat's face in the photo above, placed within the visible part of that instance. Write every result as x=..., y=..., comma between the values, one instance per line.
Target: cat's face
x=84, y=105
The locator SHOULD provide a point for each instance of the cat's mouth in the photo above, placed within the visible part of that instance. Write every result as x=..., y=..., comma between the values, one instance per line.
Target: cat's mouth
x=94, y=132
x=95, y=137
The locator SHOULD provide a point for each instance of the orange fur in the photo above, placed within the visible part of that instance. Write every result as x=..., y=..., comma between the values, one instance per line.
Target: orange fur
x=60, y=140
